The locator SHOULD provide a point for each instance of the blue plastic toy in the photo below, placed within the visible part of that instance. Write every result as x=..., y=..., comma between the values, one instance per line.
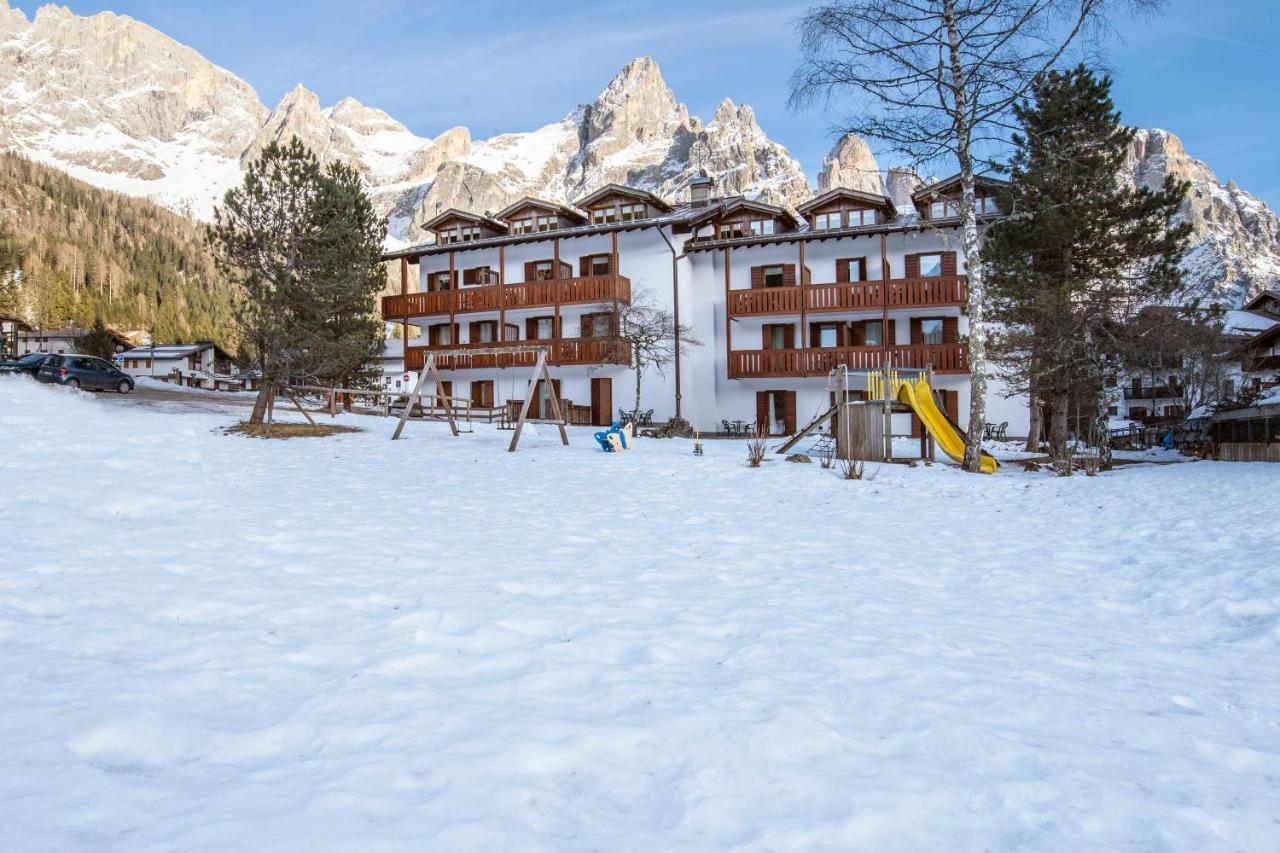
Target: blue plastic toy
x=613, y=439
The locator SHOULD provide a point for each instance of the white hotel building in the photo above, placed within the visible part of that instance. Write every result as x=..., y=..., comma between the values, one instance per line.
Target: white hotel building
x=776, y=299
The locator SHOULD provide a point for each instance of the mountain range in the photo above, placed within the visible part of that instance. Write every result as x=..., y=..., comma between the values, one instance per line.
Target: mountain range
x=122, y=106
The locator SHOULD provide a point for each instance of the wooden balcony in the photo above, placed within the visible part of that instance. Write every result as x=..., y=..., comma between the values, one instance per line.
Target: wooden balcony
x=564, y=351
x=850, y=296
x=819, y=361
x=529, y=294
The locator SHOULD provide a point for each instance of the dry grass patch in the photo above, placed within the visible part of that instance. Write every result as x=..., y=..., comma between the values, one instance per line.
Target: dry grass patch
x=290, y=430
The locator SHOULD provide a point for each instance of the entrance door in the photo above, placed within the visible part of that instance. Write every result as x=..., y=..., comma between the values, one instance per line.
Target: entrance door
x=776, y=412
x=541, y=407
x=602, y=401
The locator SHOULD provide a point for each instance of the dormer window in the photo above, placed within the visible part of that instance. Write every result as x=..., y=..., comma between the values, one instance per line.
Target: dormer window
x=449, y=235
x=604, y=215
x=943, y=209
x=762, y=227
x=468, y=233
x=987, y=205
x=522, y=226
x=827, y=221
x=632, y=212
x=548, y=223
x=731, y=230
x=858, y=218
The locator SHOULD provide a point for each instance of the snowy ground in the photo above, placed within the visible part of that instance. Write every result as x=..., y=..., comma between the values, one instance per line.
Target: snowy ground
x=215, y=642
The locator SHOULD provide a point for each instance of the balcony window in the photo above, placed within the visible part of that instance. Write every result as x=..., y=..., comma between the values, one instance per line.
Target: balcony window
x=873, y=333
x=522, y=226
x=930, y=331
x=548, y=223
x=828, y=335
x=774, y=276
x=601, y=325
x=827, y=221
x=732, y=230
x=778, y=335
x=762, y=227
x=604, y=215
x=861, y=217
x=544, y=328
x=987, y=205
x=632, y=212
x=943, y=209
x=486, y=332
x=930, y=265
x=543, y=271
x=599, y=265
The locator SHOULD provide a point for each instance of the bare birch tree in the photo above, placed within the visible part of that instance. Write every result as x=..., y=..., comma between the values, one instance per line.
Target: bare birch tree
x=646, y=335
x=936, y=80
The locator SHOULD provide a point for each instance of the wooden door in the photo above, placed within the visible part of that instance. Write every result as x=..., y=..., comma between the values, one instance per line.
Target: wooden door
x=602, y=401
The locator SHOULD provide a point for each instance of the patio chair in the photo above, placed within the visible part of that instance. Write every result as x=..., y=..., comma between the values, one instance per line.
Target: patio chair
x=647, y=418
x=1000, y=431
x=728, y=427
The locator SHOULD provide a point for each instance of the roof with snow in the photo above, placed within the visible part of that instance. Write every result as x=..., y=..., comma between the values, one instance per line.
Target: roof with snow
x=1247, y=322
x=844, y=193
x=950, y=185
x=561, y=210
x=621, y=189
x=167, y=352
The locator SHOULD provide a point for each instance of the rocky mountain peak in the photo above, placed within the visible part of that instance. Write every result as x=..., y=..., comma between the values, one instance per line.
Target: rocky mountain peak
x=852, y=165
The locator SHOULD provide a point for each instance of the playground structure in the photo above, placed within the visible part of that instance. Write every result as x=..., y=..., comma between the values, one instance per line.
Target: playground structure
x=617, y=438
x=540, y=372
x=864, y=428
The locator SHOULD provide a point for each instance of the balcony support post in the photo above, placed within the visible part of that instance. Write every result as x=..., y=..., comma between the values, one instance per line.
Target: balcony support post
x=557, y=332
x=502, y=294
x=404, y=302
x=453, y=300
x=804, y=325
x=728, y=320
x=884, y=344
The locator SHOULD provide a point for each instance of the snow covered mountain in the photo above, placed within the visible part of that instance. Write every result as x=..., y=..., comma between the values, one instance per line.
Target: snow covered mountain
x=124, y=107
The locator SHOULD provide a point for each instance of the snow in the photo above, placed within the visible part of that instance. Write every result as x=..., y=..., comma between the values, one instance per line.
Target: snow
x=218, y=642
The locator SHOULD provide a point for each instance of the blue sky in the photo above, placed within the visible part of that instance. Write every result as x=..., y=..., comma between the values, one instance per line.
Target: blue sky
x=1206, y=70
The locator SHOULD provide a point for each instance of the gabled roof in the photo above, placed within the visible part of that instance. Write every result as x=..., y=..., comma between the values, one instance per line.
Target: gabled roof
x=952, y=185
x=172, y=351
x=1261, y=299
x=874, y=200
x=720, y=211
x=18, y=324
x=561, y=210
x=475, y=218
x=619, y=189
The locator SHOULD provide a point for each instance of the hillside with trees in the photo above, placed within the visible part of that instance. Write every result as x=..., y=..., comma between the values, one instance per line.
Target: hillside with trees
x=70, y=253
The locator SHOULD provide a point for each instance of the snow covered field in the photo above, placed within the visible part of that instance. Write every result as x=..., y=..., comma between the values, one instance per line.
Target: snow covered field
x=213, y=642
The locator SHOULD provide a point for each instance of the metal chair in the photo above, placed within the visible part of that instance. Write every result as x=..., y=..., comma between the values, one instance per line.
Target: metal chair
x=1000, y=431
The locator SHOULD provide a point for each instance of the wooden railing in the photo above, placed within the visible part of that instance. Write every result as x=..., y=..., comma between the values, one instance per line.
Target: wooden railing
x=934, y=291
x=564, y=351
x=530, y=294
x=818, y=361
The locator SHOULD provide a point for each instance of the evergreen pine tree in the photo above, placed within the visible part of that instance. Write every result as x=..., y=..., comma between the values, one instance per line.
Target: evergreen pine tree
x=98, y=341
x=1082, y=250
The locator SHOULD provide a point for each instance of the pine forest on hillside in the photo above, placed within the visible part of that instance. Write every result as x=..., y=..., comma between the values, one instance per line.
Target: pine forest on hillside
x=70, y=252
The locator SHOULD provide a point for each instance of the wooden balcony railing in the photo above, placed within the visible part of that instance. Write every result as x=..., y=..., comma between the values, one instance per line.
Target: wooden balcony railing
x=564, y=351
x=818, y=361
x=1152, y=392
x=932, y=292
x=529, y=294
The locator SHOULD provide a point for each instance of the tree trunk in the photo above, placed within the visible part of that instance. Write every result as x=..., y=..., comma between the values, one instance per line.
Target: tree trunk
x=1036, y=429
x=636, y=412
x=1058, y=431
x=977, y=297
x=265, y=392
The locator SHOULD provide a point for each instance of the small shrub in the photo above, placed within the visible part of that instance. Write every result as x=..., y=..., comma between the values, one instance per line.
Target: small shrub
x=827, y=456
x=756, y=450
x=852, y=469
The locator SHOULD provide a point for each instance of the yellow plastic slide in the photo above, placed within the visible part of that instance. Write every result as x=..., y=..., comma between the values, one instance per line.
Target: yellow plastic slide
x=919, y=397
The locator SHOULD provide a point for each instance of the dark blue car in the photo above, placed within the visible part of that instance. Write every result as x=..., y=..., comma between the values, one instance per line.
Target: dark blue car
x=28, y=364
x=84, y=371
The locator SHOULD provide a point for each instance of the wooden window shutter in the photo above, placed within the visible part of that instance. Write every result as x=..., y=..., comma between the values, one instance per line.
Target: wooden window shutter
x=789, y=411
x=891, y=333
x=788, y=275
x=862, y=268
x=587, y=327
x=912, y=266
x=951, y=330
x=842, y=269
x=917, y=334
x=531, y=328
x=948, y=263
x=859, y=331
x=530, y=270
x=762, y=412
x=815, y=334
x=584, y=266
x=789, y=336
x=757, y=277
x=566, y=270
x=473, y=331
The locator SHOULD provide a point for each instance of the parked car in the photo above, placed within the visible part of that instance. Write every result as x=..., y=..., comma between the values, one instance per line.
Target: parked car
x=28, y=364
x=84, y=371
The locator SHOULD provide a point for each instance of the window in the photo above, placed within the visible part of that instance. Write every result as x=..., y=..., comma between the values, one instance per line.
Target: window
x=762, y=227
x=827, y=221
x=1113, y=410
x=873, y=333
x=485, y=332
x=778, y=336
x=774, y=276
x=828, y=335
x=851, y=269
x=861, y=217
x=987, y=204
x=449, y=235
x=604, y=215
x=943, y=209
x=469, y=232
x=930, y=331
x=930, y=265
x=482, y=393
x=548, y=223
x=522, y=226
x=440, y=334
x=543, y=271
x=544, y=328
x=632, y=212
x=439, y=281
x=598, y=265
x=600, y=325
x=479, y=275
x=732, y=230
